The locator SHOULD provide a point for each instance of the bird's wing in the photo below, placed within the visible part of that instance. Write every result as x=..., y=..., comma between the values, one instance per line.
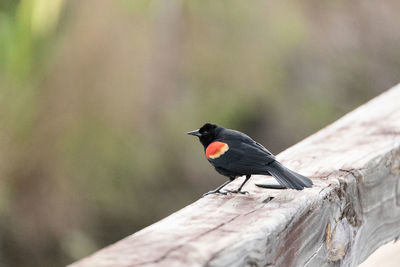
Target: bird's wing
x=236, y=135
x=243, y=158
x=263, y=148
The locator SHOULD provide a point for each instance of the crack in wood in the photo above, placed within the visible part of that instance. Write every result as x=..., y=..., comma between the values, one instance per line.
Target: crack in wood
x=161, y=258
x=190, y=240
x=313, y=255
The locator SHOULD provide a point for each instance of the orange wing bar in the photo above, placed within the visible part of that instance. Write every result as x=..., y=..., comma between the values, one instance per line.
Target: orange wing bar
x=216, y=149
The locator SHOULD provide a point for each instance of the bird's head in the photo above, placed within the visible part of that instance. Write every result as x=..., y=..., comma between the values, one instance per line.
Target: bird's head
x=207, y=133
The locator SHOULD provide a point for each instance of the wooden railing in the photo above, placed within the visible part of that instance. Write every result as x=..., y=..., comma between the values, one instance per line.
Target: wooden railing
x=353, y=208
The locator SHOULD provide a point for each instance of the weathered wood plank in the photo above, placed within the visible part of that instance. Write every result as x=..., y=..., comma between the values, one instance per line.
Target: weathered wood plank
x=387, y=255
x=353, y=208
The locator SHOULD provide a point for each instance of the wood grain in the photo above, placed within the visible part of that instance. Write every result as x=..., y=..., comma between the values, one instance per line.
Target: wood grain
x=353, y=208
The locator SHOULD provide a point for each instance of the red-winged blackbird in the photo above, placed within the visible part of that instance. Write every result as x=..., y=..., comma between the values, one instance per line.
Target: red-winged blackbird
x=235, y=154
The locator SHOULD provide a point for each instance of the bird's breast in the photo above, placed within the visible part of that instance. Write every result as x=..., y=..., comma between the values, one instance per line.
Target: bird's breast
x=216, y=149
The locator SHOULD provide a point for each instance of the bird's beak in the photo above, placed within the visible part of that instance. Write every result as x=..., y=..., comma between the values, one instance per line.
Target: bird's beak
x=195, y=133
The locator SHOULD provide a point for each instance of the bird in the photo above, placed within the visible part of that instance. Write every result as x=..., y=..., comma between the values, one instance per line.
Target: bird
x=234, y=154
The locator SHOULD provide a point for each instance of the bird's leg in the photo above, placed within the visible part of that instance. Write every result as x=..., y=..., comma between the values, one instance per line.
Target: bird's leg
x=218, y=190
x=239, y=190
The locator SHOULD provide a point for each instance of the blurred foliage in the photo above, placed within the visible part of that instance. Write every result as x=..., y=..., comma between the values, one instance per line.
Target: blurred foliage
x=96, y=97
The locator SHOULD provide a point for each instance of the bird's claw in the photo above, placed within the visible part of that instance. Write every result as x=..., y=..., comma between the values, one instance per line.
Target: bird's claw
x=215, y=192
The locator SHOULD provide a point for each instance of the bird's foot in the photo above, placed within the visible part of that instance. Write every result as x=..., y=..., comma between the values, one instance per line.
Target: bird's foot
x=237, y=192
x=215, y=192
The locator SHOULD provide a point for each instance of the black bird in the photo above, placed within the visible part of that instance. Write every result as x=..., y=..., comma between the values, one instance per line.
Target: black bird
x=235, y=154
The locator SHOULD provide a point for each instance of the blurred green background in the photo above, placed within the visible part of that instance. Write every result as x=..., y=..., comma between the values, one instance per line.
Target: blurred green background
x=96, y=97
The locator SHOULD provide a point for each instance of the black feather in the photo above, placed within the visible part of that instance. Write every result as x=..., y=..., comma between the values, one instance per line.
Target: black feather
x=287, y=177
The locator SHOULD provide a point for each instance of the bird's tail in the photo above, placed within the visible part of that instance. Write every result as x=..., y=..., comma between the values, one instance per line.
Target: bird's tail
x=288, y=178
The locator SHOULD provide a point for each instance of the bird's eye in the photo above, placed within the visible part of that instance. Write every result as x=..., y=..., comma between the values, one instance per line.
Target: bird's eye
x=205, y=132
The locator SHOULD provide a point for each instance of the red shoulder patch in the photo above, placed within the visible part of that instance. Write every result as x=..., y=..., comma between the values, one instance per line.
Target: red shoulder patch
x=216, y=149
